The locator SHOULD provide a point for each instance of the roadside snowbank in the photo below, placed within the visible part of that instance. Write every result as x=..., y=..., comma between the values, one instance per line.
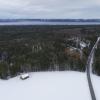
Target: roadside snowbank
x=66, y=85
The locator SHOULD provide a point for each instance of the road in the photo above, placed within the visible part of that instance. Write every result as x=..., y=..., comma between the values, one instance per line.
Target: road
x=89, y=69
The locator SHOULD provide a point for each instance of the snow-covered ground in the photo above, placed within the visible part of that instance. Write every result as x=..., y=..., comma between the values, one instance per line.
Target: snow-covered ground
x=66, y=85
x=96, y=85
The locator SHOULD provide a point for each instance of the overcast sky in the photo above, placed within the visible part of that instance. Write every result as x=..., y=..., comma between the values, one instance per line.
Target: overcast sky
x=49, y=9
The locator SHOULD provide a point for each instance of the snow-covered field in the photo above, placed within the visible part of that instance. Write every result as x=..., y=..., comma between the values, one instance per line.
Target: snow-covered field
x=66, y=85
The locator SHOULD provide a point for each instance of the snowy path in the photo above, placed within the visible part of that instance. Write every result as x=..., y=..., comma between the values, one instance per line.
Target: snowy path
x=47, y=86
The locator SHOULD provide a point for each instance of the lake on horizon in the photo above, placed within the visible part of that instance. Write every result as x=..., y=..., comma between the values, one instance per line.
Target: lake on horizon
x=49, y=23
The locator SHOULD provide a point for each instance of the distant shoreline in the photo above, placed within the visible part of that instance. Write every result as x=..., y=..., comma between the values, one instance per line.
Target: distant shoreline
x=47, y=23
x=50, y=20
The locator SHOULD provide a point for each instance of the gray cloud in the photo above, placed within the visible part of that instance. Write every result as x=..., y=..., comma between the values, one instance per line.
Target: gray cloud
x=49, y=8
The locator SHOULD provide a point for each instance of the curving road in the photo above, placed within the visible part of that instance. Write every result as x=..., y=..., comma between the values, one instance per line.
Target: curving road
x=89, y=69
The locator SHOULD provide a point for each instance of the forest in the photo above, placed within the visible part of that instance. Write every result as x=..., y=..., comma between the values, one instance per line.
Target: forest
x=46, y=48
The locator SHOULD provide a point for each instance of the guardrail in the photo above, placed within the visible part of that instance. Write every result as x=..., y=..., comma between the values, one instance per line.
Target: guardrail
x=89, y=67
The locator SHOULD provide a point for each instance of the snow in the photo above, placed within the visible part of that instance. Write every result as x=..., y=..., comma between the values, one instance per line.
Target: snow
x=67, y=85
x=96, y=85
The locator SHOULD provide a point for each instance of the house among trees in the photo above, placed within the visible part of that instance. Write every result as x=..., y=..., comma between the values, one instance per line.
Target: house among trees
x=24, y=76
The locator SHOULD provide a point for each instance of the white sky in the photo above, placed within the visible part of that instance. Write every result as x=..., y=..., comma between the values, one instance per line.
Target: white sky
x=49, y=8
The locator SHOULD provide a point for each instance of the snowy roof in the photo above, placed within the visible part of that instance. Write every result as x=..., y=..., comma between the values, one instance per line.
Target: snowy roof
x=83, y=44
x=24, y=76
